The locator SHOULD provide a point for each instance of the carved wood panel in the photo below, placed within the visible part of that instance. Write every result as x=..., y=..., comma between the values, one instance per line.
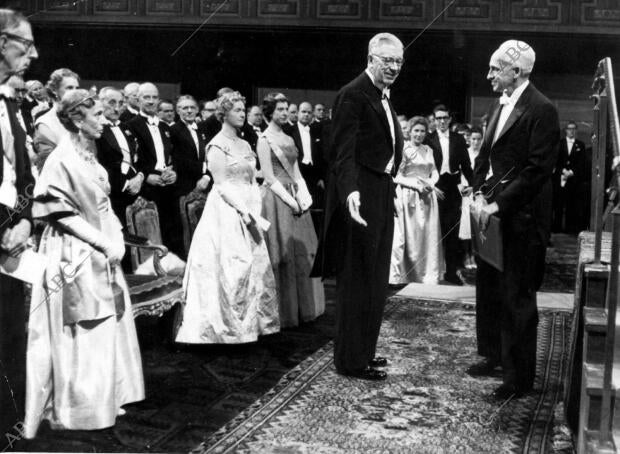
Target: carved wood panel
x=539, y=11
x=339, y=9
x=600, y=12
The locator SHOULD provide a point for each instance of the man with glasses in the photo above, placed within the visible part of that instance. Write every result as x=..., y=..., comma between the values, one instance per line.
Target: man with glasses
x=359, y=216
x=569, y=179
x=452, y=161
x=17, y=51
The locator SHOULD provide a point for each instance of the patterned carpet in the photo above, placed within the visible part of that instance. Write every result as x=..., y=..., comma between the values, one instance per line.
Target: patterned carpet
x=194, y=392
x=428, y=404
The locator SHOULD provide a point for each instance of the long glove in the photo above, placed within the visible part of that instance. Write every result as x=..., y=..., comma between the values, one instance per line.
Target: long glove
x=284, y=195
x=78, y=227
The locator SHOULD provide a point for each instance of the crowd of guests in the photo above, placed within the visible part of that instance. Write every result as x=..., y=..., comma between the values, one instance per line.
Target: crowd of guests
x=95, y=151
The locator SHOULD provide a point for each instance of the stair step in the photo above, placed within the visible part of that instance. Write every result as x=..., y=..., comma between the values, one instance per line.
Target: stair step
x=594, y=379
x=596, y=271
x=595, y=320
x=594, y=286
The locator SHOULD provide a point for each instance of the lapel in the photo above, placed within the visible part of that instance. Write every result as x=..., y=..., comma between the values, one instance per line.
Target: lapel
x=146, y=133
x=374, y=98
x=111, y=139
x=518, y=110
x=165, y=134
x=187, y=135
x=436, y=147
x=490, y=132
x=19, y=136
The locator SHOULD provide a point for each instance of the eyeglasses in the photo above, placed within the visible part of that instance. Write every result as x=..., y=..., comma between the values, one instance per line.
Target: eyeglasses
x=442, y=118
x=389, y=61
x=28, y=43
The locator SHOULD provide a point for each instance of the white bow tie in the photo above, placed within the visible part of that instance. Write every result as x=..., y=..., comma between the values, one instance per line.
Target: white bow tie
x=152, y=121
x=385, y=93
x=504, y=100
x=193, y=126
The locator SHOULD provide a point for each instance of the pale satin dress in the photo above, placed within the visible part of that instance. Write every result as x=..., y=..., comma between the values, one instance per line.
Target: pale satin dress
x=292, y=244
x=230, y=291
x=417, y=251
x=79, y=373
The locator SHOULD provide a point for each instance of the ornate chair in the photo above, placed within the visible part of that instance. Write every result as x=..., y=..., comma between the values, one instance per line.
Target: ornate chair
x=191, y=206
x=150, y=295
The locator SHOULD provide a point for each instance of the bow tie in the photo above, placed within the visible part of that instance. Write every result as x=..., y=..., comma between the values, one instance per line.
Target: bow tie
x=385, y=94
x=115, y=124
x=193, y=126
x=153, y=121
x=504, y=100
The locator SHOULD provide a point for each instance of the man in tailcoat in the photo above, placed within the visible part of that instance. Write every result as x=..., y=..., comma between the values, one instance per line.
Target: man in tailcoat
x=17, y=50
x=512, y=180
x=117, y=152
x=569, y=178
x=452, y=161
x=357, y=235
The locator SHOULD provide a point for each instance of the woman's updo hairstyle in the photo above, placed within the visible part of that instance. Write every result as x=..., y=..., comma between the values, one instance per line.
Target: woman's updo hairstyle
x=417, y=120
x=56, y=79
x=225, y=103
x=73, y=107
x=270, y=102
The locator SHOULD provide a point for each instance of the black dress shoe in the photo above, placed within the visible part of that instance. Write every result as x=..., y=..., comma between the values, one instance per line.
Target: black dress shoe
x=484, y=368
x=370, y=373
x=453, y=279
x=378, y=361
x=505, y=391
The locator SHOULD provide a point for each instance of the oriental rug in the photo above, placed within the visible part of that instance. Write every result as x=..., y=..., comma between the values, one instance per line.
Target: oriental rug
x=427, y=405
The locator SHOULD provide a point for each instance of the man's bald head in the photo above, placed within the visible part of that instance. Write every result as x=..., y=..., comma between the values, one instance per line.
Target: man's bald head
x=148, y=98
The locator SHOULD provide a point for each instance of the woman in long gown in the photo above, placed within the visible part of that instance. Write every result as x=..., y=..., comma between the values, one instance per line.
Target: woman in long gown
x=230, y=292
x=416, y=252
x=291, y=239
x=83, y=360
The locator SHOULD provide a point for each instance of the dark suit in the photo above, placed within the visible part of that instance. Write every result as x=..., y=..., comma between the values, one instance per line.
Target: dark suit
x=522, y=160
x=12, y=309
x=568, y=200
x=165, y=197
x=312, y=173
x=450, y=206
x=110, y=155
x=188, y=160
x=210, y=127
x=250, y=135
x=359, y=256
x=127, y=116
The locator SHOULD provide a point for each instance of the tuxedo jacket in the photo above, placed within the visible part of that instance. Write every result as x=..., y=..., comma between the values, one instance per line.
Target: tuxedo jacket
x=188, y=161
x=318, y=169
x=248, y=134
x=522, y=160
x=576, y=162
x=458, y=156
x=127, y=116
x=147, y=158
x=360, y=137
x=110, y=156
x=210, y=127
x=24, y=182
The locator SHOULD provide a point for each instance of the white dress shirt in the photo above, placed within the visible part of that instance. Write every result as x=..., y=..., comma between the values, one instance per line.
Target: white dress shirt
x=8, y=190
x=444, y=142
x=388, y=113
x=569, y=145
x=508, y=108
x=153, y=125
x=306, y=143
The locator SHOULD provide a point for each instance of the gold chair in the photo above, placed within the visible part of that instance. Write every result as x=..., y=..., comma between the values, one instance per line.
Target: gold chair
x=191, y=206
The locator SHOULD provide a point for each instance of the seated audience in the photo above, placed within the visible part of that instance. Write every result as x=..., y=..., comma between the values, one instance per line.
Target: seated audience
x=291, y=239
x=230, y=291
x=83, y=361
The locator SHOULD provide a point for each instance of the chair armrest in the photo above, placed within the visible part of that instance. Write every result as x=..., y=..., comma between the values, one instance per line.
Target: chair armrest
x=159, y=251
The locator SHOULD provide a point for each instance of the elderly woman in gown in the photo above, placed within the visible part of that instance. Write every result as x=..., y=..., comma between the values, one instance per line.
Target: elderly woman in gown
x=83, y=359
x=230, y=292
x=416, y=251
x=291, y=239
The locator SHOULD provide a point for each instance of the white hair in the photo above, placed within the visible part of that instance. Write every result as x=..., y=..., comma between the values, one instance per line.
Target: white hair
x=105, y=92
x=517, y=54
x=383, y=38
